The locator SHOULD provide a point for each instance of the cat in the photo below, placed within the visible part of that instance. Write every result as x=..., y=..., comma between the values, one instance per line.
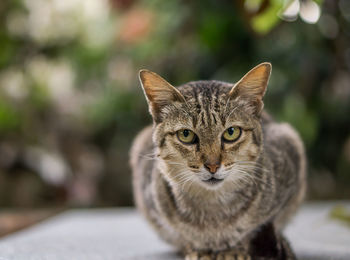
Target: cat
x=215, y=175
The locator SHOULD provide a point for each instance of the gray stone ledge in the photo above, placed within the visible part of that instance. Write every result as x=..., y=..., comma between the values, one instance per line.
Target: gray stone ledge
x=123, y=234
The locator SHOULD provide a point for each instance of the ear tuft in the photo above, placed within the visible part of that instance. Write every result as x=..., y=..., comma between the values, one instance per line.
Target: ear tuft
x=252, y=86
x=158, y=92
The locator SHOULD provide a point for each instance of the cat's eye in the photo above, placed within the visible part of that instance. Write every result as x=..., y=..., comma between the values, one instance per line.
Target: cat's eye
x=186, y=136
x=232, y=134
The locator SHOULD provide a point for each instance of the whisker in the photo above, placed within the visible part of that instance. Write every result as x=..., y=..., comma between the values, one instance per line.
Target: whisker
x=253, y=176
x=248, y=173
x=175, y=163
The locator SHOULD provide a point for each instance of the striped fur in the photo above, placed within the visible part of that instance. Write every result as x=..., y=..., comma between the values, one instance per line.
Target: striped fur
x=263, y=171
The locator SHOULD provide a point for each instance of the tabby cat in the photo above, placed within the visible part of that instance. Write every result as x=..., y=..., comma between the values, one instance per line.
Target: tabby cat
x=215, y=175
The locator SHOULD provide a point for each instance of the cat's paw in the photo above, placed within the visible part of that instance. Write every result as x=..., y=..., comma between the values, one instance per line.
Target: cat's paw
x=232, y=255
x=227, y=255
x=199, y=256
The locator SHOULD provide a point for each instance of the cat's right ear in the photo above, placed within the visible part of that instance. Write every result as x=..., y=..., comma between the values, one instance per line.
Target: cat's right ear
x=159, y=93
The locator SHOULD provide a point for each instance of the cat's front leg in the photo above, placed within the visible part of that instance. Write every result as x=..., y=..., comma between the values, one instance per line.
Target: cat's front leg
x=267, y=244
x=232, y=255
x=198, y=256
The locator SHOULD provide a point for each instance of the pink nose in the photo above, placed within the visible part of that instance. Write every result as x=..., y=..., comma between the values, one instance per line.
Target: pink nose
x=212, y=168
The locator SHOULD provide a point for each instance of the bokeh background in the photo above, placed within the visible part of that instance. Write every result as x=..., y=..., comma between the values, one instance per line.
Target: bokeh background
x=70, y=100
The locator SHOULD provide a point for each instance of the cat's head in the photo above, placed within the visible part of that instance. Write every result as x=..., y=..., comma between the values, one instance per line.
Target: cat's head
x=207, y=133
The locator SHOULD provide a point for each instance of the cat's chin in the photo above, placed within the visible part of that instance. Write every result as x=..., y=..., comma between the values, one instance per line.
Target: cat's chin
x=212, y=183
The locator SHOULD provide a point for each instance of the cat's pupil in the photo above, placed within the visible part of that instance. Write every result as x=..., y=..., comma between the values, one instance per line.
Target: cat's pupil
x=186, y=133
x=230, y=130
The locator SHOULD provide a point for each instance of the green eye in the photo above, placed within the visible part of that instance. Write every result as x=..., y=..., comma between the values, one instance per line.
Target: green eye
x=232, y=134
x=186, y=136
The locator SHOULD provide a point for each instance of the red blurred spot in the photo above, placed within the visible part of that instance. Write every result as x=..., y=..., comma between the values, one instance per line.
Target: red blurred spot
x=136, y=26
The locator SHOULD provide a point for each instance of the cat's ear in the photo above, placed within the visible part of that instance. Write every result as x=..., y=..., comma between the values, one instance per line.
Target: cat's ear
x=159, y=93
x=252, y=87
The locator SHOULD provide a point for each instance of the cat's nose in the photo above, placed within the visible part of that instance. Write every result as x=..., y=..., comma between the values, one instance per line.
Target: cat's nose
x=212, y=168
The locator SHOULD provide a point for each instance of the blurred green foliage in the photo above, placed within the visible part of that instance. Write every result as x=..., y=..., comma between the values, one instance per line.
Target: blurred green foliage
x=9, y=117
x=340, y=213
x=70, y=101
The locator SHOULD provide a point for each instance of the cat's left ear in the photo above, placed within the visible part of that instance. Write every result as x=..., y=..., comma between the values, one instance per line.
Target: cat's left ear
x=252, y=87
x=159, y=93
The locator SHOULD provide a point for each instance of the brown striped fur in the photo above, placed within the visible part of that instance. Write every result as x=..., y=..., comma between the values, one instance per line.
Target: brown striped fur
x=263, y=172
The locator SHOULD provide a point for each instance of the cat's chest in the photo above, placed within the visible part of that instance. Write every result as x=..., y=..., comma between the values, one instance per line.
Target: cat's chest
x=201, y=226
x=207, y=214
x=198, y=220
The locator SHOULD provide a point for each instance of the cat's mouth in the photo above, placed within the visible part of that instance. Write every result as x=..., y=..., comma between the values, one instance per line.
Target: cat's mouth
x=213, y=180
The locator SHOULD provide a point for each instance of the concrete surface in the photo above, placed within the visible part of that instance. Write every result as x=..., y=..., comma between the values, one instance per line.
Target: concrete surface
x=123, y=234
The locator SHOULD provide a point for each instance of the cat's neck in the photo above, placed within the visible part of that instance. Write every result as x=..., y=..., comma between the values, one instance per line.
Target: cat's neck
x=203, y=204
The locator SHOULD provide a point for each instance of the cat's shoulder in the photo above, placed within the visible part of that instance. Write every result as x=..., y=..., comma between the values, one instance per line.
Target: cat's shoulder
x=141, y=145
x=280, y=133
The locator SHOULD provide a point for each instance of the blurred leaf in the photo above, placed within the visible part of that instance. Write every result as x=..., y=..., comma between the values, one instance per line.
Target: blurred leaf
x=319, y=2
x=341, y=213
x=9, y=117
x=39, y=96
x=266, y=21
x=6, y=49
x=213, y=30
x=115, y=106
x=252, y=5
x=305, y=121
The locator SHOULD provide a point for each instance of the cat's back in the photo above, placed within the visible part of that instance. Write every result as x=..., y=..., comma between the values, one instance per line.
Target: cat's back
x=283, y=137
x=285, y=151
